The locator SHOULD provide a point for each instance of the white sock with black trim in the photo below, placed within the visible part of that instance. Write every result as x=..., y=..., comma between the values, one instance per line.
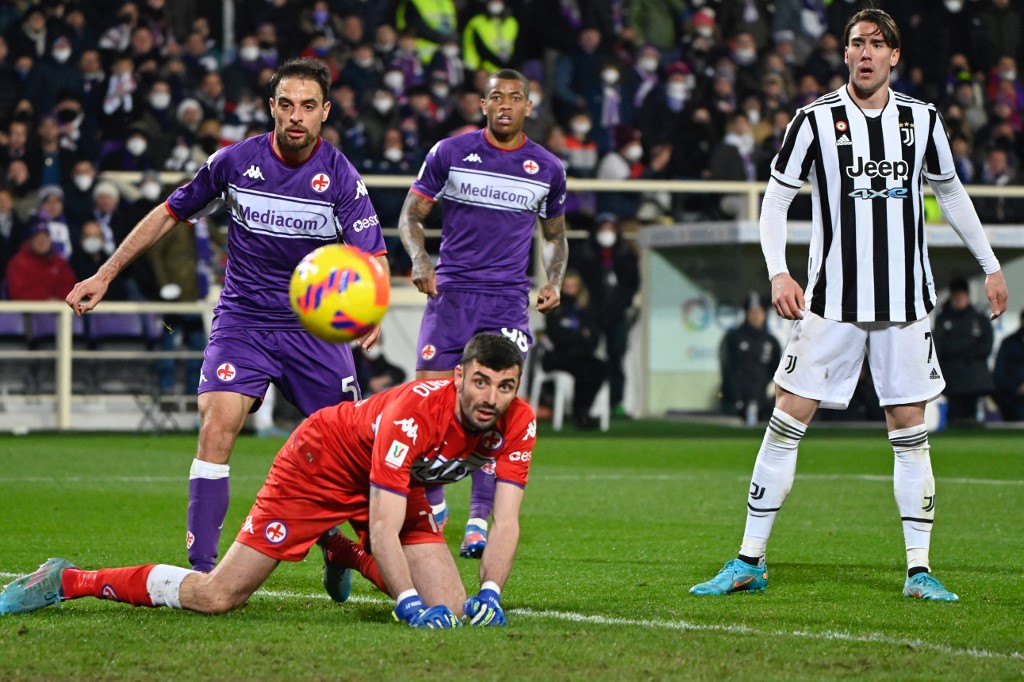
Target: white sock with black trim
x=772, y=480
x=914, y=487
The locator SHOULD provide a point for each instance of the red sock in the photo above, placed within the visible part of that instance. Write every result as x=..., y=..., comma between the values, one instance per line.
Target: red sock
x=126, y=585
x=343, y=552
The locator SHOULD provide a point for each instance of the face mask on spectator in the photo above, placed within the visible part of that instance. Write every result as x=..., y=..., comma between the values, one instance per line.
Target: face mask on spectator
x=754, y=116
x=160, y=100
x=92, y=245
x=364, y=63
x=610, y=76
x=495, y=8
x=180, y=153
x=393, y=154
x=150, y=191
x=746, y=56
x=648, y=64
x=581, y=128
x=633, y=152
x=62, y=54
x=537, y=99
x=606, y=238
x=83, y=182
x=450, y=51
x=136, y=146
x=394, y=80
x=383, y=104
x=249, y=53
x=1008, y=75
x=676, y=90
x=954, y=5
x=440, y=91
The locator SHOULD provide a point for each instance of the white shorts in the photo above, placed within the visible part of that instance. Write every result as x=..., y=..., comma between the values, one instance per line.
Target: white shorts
x=823, y=360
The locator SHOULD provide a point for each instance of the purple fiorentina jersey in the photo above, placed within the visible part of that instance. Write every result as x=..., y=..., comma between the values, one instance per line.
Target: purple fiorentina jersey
x=492, y=198
x=277, y=214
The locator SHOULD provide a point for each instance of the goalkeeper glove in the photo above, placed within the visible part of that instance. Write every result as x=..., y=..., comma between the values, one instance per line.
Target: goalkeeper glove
x=413, y=611
x=485, y=609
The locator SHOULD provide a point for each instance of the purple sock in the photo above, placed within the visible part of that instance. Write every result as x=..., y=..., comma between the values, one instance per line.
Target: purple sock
x=435, y=495
x=207, y=507
x=481, y=499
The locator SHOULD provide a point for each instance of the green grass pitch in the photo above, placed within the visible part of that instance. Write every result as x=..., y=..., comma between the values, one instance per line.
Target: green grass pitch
x=615, y=529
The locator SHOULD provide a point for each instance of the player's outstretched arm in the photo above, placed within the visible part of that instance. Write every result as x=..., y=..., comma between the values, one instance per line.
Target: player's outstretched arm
x=87, y=294
x=555, y=255
x=484, y=609
x=997, y=293
x=410, y=228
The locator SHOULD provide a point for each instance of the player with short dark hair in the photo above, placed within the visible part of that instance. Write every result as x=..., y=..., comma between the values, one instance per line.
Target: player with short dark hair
x=366, y=463
x=286, y=193
x=494, y=184
x=865, y=150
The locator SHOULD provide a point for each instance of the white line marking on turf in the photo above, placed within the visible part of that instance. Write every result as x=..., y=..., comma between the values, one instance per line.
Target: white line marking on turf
x=682, y=625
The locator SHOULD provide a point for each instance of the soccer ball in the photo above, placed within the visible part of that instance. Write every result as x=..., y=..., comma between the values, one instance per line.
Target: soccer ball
x=339, y=292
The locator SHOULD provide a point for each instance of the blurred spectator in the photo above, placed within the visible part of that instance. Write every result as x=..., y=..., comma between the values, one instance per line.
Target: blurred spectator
x=22, y=188
x=53, y=73
x=36, y=272
x=362, y=72
x=12, y=228
x=78, y=193
x=394, y=160
x=968, y=96
x=827, y=59
x=406, y=58
x=10, y=84
x=52, y=163
x=610, y=271
x=17, y=142
x=30, y=36
x=378, y=117
x=119, y=105
x=1001, y=26
x=117, y=38
x=431, y=21
x=90, y=254
x=466, y=115
x=996, y=171
x=807, y=19
x=571, y=336
x=318, y=19
x=577, y=78
x=963, y=158
x=51, y=213
x=134, y=155
x=489, y=37
x=242, y=75
x=345, y=118
x=1009, y=375
x=447, y=61
x=385, y=42
x=963, y=342
x=733, y=159
x=748, y=356
x=639, y=80
x=541, y=118
x=625, y=163
x=657, y=22
x=748, y=16
x=742, y=52
x=581, y=147
x=76, y=132
x=772, y=144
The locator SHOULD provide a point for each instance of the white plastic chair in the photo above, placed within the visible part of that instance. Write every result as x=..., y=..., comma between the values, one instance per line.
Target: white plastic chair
x=564, y=385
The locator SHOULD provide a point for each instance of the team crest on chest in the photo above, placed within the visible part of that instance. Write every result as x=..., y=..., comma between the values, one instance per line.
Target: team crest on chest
x=492, y=440
x=320, y=182
x=531, y=166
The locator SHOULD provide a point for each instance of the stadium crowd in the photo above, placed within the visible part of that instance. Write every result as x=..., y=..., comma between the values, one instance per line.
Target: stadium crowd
x=673, y=89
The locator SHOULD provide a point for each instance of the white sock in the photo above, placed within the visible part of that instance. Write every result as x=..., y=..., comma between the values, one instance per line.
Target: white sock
x=482, y=523
x=772, y=480
x=209, y=470
x=914, y=487
x=164, y=584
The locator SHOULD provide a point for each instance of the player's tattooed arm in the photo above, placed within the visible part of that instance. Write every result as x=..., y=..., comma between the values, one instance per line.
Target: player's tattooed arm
x=555, y=255
x=410, y=228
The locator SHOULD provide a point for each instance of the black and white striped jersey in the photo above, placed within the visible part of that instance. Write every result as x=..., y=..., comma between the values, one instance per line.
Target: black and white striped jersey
x=868, y=259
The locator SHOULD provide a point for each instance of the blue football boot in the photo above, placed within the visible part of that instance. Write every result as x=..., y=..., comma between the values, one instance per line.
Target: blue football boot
x=35, y=590
x=735, y=576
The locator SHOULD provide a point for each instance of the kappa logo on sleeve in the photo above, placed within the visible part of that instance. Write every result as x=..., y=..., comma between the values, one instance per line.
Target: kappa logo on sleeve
x=396, y=454
x=409, y=428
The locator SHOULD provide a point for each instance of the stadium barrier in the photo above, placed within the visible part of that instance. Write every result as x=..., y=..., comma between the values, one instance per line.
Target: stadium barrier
x=680, y=265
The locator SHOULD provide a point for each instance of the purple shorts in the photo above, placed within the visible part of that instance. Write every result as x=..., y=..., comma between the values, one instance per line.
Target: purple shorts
x=310, y=373
x=453, y=317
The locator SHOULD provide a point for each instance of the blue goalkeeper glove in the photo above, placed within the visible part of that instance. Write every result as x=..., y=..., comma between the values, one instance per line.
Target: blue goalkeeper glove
x=485, y=609
x=413, y=611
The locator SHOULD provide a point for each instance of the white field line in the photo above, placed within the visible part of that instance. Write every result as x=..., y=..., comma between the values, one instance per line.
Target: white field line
x=684, y=626
x=620, y=476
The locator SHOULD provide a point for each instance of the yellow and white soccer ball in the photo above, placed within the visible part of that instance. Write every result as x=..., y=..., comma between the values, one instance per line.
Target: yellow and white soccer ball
x=339, y=292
